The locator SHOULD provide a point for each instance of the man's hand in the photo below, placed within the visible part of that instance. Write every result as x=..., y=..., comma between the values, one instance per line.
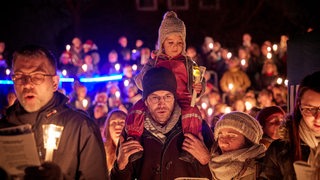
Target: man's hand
x=126, y=149
x=47, y=171
x=196, y=148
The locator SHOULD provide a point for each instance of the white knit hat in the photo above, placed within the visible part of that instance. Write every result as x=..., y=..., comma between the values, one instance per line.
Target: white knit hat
x=241, y=122
x=171, y=24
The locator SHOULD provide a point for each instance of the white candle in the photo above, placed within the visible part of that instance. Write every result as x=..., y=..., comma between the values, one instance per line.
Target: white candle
x=51, y=137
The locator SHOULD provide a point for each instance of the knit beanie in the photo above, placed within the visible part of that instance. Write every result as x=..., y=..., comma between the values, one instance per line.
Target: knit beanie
x=266, y=112
x=241, y=122
x=171, y=24
x=158, y=78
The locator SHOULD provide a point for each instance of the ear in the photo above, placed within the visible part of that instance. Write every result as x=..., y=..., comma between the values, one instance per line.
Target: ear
x=55, y=83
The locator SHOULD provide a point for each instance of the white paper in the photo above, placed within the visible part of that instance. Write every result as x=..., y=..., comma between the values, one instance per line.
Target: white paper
x=17, y=151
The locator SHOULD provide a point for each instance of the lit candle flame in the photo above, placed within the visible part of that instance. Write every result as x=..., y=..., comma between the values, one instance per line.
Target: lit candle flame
x=243, y=62
x=117, y=66
x=64, y=72
x=68, y=47
x=210, y=111
x=268, y=49
x=230, y=86
x=204, y=105
x=227, y=110
x=248, y=105
x=134, y=67
x=126, y=82
x=210, y=45
x=8, y=72
x=84, y=67
x=85, y=103
x=279, y=80
x=275, y=47
x=229, y=55
x=269, y=55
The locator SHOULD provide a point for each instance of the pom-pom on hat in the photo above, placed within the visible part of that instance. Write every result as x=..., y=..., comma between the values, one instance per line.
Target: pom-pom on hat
x=171, y=24
x=266, y=112
x=241, y=122
x=158, y=78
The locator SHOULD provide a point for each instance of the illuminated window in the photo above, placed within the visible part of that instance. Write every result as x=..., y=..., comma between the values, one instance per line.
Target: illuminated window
x=209, y=4
x=178, y=4
x=146, y=5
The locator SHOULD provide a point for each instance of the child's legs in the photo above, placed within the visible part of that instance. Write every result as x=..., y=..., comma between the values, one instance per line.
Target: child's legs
x=191, y=119
x=134, y=121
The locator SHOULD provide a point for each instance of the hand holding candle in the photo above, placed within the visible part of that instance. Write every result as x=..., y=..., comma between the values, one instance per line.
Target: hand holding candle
x=198, y=73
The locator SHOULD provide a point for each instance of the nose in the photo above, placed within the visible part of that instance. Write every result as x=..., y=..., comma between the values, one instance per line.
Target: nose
x=26, y=80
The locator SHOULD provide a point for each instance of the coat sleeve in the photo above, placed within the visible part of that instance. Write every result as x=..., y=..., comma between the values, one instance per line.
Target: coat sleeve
x=208, y=140
x=91, y=153
x=270, y=168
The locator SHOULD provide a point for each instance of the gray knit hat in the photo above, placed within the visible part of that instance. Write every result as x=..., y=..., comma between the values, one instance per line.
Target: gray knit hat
x=241, y=122
x=171, y=24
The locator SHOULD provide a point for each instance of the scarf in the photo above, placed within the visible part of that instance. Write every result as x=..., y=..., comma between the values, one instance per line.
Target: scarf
x=231, y=165
x=158, y=130
x=312, y=140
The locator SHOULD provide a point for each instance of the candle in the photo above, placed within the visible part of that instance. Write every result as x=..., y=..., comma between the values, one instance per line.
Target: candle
x=210, y=111
x=51, y=138
x=68, y=47
x=117, y=66
x=84, y=67
x=204, y=105
x=198, y=73
x=64, y=72
x=85, y=103
x=248, y=105
x=126, y=82
x=230, y=86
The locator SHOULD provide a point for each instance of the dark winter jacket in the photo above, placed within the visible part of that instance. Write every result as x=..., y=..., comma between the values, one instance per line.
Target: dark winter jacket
x=279, y=159
x=161, y=161
x=80, y=153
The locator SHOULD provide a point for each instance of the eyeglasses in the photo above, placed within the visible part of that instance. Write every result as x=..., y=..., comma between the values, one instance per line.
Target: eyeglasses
x=310, y=111
x=36, y=78
x=156, y=99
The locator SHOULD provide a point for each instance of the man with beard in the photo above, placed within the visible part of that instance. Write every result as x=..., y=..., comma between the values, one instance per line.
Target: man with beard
x=80, y=153
x=162, y=137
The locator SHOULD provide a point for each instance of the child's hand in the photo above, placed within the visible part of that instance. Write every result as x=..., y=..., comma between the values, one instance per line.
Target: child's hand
x=197, y=87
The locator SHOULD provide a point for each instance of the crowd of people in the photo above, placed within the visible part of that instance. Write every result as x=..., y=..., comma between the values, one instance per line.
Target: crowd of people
x=145, y=126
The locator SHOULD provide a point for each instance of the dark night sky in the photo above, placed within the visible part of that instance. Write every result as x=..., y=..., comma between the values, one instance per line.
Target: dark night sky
x=53, y=23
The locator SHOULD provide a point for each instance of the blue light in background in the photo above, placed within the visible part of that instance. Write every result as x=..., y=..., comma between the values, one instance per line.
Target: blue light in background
x=102, y=79
x=6, y=82
x=94, y=79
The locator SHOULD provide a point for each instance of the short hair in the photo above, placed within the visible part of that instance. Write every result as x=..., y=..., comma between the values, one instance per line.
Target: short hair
x=35, y=51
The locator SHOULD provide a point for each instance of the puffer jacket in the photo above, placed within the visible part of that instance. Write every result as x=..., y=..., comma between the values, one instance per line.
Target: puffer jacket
x=189, y=63
x=161, y=161
x=80, y=153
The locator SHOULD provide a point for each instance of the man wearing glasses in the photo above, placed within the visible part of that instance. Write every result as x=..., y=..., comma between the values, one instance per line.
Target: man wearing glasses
x=80, y=153
x=300, y=141
x=162, y=137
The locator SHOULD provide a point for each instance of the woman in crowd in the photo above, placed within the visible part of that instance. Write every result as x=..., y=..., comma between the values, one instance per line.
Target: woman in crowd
x=270, y=118
x=301, y=135
x=111, y=134
x=238, y=149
